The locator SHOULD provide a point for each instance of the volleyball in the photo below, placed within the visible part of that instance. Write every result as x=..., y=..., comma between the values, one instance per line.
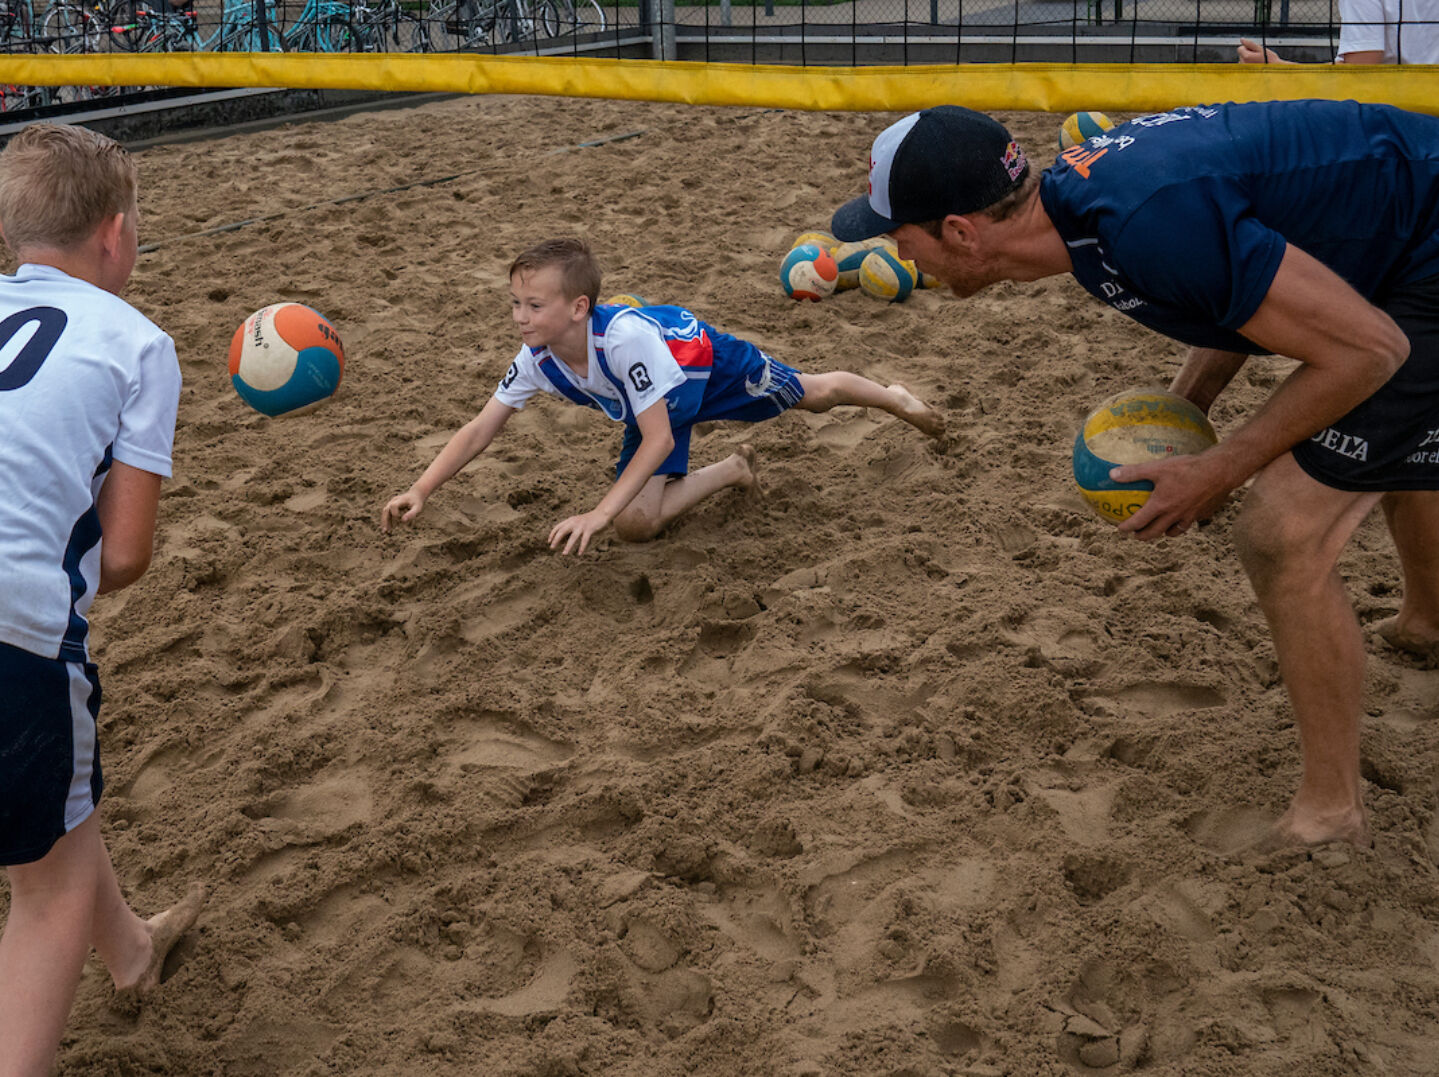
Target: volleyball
x=808, y=272
x=625, y=299
x=847, y=257
x=821, y=239
x=885, y=275
x=1082, y=125
x=1137, y=426
x=285, y=356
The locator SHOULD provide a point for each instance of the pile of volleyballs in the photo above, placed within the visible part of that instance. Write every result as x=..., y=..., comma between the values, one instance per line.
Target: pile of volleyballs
x=818, y=265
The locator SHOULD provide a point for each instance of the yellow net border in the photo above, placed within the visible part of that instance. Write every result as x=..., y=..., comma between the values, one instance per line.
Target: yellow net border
x=990, y=87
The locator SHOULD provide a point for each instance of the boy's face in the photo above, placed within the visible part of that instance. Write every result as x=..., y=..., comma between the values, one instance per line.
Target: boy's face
x=542, y=312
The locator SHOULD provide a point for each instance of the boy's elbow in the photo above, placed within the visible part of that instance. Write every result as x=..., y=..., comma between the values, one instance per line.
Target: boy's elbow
x=122, y=569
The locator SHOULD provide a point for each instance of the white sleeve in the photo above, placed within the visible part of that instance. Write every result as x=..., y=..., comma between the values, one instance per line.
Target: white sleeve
x=146, y=437
x=1361, y=26
x=521, y=381
x=637, y=356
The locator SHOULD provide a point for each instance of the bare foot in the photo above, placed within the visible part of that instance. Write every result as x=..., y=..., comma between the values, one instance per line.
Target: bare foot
x=165, y=930
x=917, y=413
x=749, y=481
x=1295, y=832
x=1417, y=644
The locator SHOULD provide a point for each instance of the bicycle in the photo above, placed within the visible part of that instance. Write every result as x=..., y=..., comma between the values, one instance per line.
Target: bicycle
x=74, y=26
x=140, y=27
x=481, y=23
x=387, y=23
x=17, y=27
x=241, y=31
x=322, y=26
x=562, y=17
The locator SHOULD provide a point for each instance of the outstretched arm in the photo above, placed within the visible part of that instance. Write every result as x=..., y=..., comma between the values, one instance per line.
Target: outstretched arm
x=657, y=441
x=467, y=443
x=1347, y=348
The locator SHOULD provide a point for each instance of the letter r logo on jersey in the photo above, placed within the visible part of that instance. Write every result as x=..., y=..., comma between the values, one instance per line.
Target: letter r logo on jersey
x=510, y=376
x=640, y=377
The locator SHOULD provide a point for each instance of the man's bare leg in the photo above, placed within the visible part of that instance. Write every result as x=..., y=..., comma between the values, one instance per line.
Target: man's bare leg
x=1413, y=518
x=663, y=499
x=1290, y=535
x=825, y=391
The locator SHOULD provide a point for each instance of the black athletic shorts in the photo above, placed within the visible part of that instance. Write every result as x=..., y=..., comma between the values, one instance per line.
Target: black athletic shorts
x=1391, y=440
x=50, y=779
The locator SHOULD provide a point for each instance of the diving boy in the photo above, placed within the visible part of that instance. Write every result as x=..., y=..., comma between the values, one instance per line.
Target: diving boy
x=659, y=370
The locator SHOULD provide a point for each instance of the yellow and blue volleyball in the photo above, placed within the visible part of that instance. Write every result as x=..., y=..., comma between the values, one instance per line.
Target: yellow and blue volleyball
x=885, y=275
x=847, y=257
x=625, y=299
x=285, y=357
x=1081, y=126
x=808, y=272
x=1137, y=426
x=818, y=237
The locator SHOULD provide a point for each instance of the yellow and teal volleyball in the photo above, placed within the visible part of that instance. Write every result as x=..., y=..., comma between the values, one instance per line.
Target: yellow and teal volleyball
x=926, y=281
x=818, y=237
x=625, y=299
x=847, y=257
x=808, y=272
x=1082, y=125
x=885, y=275
x=1137, y=426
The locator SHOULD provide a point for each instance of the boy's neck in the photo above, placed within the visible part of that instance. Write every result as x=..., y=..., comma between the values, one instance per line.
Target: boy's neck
x=79, y=264
x=573, y=348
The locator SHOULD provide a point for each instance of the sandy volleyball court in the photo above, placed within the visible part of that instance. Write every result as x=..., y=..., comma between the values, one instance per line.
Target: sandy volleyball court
x=912, y=769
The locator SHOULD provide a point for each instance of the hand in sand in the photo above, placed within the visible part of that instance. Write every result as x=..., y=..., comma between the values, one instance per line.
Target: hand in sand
x=404, y=506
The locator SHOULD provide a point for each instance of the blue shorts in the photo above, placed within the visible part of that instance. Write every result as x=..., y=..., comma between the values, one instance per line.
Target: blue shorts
x=1391, y=440
x=755, y=387
x=50, y=780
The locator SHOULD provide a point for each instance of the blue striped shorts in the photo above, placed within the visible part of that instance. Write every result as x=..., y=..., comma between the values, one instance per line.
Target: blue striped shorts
x=50, y=779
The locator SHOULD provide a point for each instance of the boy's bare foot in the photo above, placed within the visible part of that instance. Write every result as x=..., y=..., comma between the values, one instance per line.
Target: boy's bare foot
x=749, y=480
x=1401, y=639
x=917, y=413
x=165, y=930
x=1294, y=831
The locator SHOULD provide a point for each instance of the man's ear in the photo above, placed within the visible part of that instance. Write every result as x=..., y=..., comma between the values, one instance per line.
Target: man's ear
x=958, y=231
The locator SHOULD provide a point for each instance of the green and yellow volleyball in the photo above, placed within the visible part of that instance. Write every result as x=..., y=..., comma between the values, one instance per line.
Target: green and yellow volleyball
x=1137, y=426
x=1082, y=125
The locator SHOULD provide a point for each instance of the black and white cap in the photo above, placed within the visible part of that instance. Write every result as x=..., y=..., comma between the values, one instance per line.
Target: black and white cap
x=930, y=164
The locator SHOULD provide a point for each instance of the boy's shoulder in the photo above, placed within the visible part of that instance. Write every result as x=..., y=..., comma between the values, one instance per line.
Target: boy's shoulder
x=38, y=285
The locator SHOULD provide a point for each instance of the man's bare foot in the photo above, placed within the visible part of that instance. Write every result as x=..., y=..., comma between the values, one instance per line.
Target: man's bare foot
x=749, y=481
x=917, y=413
x=1421, y=645
x=165, y=930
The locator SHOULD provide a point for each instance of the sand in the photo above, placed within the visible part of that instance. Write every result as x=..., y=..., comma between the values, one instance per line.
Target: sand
x=914, y=768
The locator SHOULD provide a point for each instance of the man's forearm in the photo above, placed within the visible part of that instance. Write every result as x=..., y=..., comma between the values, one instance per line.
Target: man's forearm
x=1204, y=375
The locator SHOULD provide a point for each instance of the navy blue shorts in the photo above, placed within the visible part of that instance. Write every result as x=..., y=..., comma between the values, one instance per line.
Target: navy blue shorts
x=757, y=387
x=1391, y=440
x=50, y=780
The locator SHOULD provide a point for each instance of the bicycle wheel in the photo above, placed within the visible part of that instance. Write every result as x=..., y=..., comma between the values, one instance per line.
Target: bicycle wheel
x=410, y=33
x=336, y=33
x=590, y=19
x=130, y=25
x=552, y=18
x=66, y=28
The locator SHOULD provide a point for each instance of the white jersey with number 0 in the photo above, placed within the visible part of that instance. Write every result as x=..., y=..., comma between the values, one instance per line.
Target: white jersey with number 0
x=84, y=379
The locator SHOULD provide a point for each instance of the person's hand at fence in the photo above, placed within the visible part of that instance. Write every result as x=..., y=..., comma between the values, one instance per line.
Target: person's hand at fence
x=1251, y=52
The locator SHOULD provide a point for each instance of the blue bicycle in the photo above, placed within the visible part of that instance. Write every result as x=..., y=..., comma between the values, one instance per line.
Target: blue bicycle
x=241, y=31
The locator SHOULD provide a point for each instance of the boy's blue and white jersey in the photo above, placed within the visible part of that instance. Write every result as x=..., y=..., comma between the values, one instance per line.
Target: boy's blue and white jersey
x=636, y=357
x=84, y=379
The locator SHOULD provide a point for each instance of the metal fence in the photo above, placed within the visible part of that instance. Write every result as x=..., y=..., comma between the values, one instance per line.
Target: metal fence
x=851, y=32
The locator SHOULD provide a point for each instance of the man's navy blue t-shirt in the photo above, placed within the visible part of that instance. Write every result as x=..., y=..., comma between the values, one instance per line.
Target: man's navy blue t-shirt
x=1180, y=219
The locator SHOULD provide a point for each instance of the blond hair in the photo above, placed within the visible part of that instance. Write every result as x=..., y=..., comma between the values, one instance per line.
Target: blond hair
x=59, y=182
x=579, y=271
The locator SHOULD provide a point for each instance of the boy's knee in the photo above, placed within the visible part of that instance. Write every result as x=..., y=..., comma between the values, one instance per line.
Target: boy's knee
x=634, y=527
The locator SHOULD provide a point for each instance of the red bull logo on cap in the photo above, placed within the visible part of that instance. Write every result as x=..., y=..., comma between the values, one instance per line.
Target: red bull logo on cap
x=1014, y=160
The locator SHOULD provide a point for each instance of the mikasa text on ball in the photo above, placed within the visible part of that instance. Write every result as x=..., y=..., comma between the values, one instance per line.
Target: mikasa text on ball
x=1137, y=426
x=284, y=357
